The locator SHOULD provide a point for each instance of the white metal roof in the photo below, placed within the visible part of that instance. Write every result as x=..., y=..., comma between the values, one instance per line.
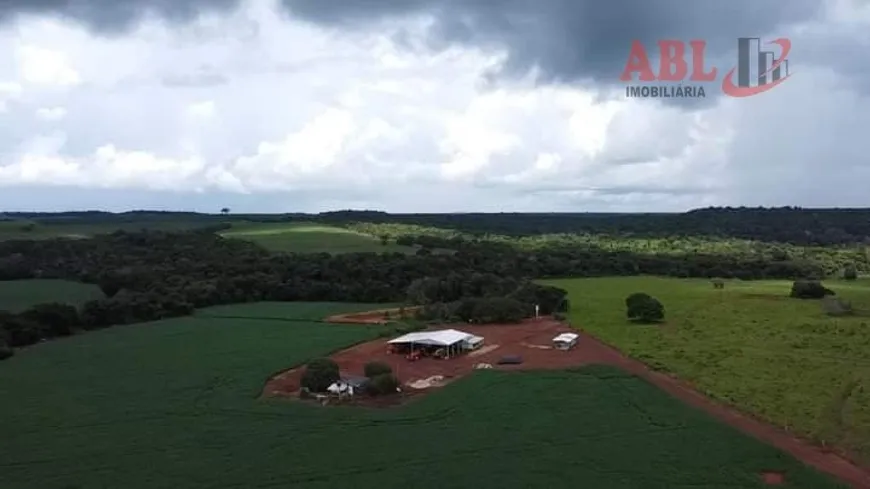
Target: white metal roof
x=566, y=337
x=444, y=337
x=474, y=339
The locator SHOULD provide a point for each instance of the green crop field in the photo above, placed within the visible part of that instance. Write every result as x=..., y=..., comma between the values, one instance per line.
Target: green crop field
x=174, y=404
x=74, y=229
x=751, y=345
x=18, y=295
x=311, y=238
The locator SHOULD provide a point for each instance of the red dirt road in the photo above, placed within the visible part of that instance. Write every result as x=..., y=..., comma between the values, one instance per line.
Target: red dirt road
x=520, y=339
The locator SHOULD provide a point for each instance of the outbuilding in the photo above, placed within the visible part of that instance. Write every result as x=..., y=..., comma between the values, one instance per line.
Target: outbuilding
x=451, y=341
x=565, y=341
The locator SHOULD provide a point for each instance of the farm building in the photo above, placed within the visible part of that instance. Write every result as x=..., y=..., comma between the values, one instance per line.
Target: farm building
x=565, y=341
x=448, y=342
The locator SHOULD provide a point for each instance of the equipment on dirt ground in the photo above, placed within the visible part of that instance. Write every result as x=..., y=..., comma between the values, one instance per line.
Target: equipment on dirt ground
x=440, y=353
x=510, y=360
x=414, y=356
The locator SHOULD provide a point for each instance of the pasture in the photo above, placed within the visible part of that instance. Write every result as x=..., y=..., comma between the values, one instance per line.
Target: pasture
x=311, y=238
x=174, y=404
x=18, y=295
x=750, y=345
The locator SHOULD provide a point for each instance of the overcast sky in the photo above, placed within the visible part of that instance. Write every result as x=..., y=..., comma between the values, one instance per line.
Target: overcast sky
x=420, y=106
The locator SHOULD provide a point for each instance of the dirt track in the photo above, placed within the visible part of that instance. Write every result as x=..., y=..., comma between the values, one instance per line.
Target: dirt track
x=527, y=339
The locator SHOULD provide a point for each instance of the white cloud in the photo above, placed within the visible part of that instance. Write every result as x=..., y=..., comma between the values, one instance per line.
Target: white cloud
x=8, y=92
x=51, y=113
x=205, y=109
x=41, y=66
x=255, y=104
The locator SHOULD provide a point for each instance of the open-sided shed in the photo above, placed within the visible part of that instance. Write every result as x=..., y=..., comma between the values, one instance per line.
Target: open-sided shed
x=451, y=340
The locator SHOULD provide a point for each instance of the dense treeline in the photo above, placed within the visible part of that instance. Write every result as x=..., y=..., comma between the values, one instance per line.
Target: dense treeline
x=156, y=274
x=786, y=224
x=832, y=260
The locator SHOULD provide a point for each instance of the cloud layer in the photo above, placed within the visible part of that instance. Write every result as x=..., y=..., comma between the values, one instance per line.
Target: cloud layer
x=296, y=107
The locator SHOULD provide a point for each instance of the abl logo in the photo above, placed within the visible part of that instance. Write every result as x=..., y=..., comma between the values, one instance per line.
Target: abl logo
x=757, y=70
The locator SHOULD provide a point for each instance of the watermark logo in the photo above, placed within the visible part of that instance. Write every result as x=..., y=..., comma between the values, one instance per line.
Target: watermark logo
x=757, y=70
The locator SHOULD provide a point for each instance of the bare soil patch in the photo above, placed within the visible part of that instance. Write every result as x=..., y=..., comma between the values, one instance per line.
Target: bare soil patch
x=524, y=340
x=377, y=316
x=773, y=478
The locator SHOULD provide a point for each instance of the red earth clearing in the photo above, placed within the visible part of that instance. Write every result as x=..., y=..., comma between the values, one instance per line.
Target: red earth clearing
x=377, y=316
x=773, y=478
x=532, y=341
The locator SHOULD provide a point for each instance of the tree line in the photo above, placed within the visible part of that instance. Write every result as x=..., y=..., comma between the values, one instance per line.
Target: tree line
x=819, y=227
x=795, y=225
x=150, y=275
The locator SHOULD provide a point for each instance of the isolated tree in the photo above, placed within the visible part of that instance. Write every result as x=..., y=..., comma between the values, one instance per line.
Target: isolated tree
x=636, y=299
x=319, y=374
x=809, y=289
x=225, y=210
x=373, y=369
x=385, y=240
x=643, y=308
x=382, y=384
x=850, y=272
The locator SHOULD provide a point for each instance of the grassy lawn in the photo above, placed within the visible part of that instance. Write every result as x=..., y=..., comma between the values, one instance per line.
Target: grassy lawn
x=18, y=295
x=174, y=404
x=749, y=344
x=311, y=238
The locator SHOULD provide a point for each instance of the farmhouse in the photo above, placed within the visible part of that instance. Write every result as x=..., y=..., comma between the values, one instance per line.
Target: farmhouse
x=565, y=341
x=448, y=342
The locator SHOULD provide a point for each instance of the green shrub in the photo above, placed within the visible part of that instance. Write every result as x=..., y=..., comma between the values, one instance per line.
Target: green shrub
x=643, y=308
x=319, y=374
x=373, y=369
x=809, y=289
x=850, y=272
x=382, y=384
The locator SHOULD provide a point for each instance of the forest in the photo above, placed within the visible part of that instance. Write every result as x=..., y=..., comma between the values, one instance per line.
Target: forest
x=153, y=274
x=794, y=225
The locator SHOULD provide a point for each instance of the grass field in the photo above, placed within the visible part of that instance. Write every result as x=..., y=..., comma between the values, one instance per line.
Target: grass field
x=311, y=238
x=18, y=295
x=75, y=230
x=750, y=345
x=173, y=404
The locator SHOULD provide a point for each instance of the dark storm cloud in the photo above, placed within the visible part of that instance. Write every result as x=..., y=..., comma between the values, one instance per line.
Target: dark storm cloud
x=569, y=41
x=113, y=16
x=565, y=41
